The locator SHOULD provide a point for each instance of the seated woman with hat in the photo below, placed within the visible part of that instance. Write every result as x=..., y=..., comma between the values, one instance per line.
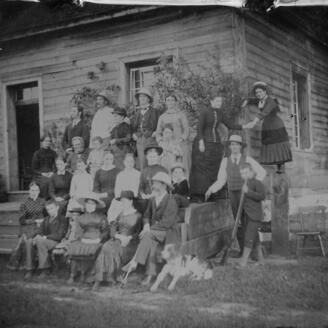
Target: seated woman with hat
x=144, y=123
x=159, y=226
x=121, y=246
x=93, y=232
x=120, y=137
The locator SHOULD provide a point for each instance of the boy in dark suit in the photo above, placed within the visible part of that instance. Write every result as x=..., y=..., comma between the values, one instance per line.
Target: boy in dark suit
x=254, y=194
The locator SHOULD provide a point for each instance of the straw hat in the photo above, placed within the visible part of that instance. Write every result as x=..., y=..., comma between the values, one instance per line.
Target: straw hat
x=162, y=177
x=92, y=196
x=177, y=165
x=236, y=138
x=128, y=194
x=104, y=94
x=154, y=145
x=260, y=85
x=146, y=92
x=76, y=210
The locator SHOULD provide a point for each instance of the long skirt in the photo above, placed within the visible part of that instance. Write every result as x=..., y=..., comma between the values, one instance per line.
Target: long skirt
x=43, y=183
x=275, y=141
x=205, y=167
x=111, y=258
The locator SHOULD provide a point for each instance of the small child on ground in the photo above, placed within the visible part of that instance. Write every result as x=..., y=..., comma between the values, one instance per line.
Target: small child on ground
x=96, y=156
x=254, y=195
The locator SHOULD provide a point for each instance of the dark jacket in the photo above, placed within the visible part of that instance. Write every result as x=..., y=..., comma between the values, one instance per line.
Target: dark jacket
x=43, y=161
x=81, y=129
x=253, y=198
x=164, y=216
x=209, y=120
x=122, y=134
x=145, y=125
x=55, y=229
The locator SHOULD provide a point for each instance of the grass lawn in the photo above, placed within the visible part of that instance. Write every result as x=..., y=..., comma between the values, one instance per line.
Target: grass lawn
x=279, y=294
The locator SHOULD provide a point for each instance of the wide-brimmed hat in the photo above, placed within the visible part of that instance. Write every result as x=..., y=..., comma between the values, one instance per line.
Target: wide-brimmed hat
x=162, y=177
x=76, y=210
x=128, y=194
x=236, y=138
x=120, y=111
x=177, y=165
x=104, y=94
x=146, y=92
x=260, y=85
x=92, y=196
x=154, y=145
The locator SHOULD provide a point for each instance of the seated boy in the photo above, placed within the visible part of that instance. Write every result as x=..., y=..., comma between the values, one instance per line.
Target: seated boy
x=50, y=233
x=254, y=194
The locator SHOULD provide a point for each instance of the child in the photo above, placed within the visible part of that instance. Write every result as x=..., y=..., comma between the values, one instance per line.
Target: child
x=95, y=159
x=254, y=194
x=71, y=234
x=171, y=150
x=180, y=185
x=81, y=185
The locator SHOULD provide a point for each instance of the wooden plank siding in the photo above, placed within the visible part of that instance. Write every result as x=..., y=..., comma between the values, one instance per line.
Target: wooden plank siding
x=63, y=59
x=270, y=51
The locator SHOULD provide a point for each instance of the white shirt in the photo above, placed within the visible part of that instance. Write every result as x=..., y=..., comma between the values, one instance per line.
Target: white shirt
x=81, y=185
x=102, y=123
x=127, y=180
x=260, y=172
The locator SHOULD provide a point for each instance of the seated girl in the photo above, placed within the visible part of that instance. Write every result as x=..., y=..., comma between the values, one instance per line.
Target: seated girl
x=123, y=242
x=93, y=232
x=180, y=185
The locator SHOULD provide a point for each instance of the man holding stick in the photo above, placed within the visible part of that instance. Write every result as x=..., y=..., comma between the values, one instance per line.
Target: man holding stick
x=229, y=173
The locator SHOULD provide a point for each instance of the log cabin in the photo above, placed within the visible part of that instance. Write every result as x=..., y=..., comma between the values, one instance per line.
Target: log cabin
x=45, y=57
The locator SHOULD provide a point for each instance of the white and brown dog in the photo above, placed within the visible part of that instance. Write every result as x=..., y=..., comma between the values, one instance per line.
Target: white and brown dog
x=179, y=266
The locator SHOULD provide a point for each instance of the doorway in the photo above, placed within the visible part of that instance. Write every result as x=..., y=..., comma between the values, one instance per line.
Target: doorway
x=23, y=123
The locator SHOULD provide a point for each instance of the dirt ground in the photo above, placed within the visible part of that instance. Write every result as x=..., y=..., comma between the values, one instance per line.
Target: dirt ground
x=283, y=293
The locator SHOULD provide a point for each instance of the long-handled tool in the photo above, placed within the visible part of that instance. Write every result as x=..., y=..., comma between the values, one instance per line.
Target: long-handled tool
x=234, y=230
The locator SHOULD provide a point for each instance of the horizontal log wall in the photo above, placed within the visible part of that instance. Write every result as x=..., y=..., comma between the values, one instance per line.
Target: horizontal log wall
x=271, y=49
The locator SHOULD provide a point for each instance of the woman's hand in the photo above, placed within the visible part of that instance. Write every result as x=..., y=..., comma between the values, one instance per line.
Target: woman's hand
x=134, y=137
x=245, y=103
x=59, y=199
x=201, y=146
x=112, y=141
x=145, y=229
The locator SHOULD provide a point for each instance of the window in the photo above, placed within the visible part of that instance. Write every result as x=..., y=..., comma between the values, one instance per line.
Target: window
x=300, y=109
x=27, y=93
x=141, y=75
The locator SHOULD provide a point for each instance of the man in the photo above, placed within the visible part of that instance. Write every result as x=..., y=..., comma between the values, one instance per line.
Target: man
x=76, y=128
x=49, y=234
x=229, y=172
x=103, y=120
x=79, y=152
x=144, y=124
x=159, y=226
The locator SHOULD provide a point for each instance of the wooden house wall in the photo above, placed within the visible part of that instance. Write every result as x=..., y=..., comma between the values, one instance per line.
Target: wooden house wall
x=271, y=49
x=62, y=60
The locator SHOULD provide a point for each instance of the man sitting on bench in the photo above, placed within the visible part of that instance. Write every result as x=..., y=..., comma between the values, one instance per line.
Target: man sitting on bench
x=51, y=232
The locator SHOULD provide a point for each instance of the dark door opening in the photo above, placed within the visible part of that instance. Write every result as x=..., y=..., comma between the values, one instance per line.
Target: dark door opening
x=28, y=140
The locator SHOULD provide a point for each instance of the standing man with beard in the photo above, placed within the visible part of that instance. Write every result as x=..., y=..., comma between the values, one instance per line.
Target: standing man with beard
x=159, y=226
x=229, y=173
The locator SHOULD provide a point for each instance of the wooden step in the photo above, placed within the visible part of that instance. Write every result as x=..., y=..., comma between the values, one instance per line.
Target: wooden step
x=17, y=195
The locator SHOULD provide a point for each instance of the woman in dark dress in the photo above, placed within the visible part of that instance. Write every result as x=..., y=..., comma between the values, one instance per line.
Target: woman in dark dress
x=207, y=148
x=123, y=242
x=105, y=179
x=92, y=227
x=43, y=165
x=60, y=184
x=275, y=141
x=30, y=212
x=120, y=137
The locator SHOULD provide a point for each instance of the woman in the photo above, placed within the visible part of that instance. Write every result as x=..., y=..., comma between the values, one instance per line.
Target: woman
x=144, y=124
x=120, y=137
x=93, y=232
x=123, y=242
x=105, y=179
x=43, y=165
x=177, y=119
x=76, y=128
x=103, y=120
x=60, y=184
x=79, y=153
x=207, y=148
x=30, y=212
x=275, y=142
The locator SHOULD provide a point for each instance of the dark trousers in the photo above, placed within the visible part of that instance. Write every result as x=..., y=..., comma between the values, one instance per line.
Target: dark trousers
x=234, y=196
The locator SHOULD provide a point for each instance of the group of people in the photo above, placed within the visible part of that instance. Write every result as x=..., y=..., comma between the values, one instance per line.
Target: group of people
x=107, y=216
